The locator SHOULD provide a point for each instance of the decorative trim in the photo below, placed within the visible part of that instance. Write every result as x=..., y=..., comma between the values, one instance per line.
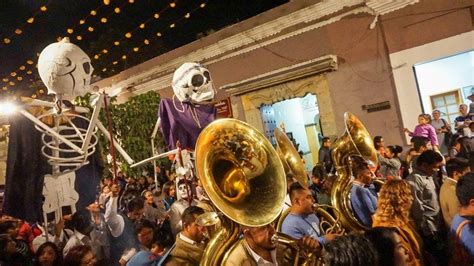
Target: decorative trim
x=294, y=72
x=311, y=17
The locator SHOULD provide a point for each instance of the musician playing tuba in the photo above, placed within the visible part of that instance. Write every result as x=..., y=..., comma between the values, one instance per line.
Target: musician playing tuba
x=258, y=248
x=302, y=221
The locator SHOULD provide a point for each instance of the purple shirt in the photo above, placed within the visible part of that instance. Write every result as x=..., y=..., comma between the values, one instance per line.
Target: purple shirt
x=184, y=121
x=427, y=131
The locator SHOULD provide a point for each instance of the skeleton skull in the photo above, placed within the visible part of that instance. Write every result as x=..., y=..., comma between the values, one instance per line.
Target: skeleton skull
x=192, y=82
x=183, y=190
x=65, y=69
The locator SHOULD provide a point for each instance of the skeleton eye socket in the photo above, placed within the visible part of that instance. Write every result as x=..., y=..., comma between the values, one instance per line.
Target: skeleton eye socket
x=207, y=75
x=87, y=67
x=197, y=80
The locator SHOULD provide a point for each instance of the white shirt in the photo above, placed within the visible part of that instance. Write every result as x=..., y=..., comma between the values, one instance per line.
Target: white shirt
x=76, y=240
x=113, y=219
x=260, y=260
x=187, y=239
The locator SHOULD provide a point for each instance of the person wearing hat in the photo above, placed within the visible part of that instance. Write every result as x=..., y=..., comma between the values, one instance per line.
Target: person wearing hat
x=471, y=105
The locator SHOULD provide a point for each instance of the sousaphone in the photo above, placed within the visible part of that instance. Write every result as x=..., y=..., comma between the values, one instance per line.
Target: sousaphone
x=244, y=178
x=290, y=158
x=356, y=141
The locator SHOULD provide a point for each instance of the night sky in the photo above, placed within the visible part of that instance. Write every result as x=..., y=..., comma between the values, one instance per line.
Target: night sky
x=155, y=38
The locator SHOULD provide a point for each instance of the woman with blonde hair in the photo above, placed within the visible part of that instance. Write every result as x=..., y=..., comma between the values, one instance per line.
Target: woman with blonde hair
x=393, y=210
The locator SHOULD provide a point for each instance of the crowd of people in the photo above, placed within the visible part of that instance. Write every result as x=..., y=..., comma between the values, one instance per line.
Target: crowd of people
x=420, y=214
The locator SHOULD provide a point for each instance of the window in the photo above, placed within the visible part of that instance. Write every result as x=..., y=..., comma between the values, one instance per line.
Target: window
x=448, y=104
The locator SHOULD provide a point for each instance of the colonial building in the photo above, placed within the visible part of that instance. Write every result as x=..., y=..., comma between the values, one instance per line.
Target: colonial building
x=331, y=56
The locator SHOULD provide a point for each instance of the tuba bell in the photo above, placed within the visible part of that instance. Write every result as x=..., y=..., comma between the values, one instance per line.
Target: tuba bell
x=356, y=141
x=290, y=158
x=243, y=177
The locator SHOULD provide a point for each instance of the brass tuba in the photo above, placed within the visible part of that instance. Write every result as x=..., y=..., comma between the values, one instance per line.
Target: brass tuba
x=356, y=141
x=290, y=158
x=243, y=177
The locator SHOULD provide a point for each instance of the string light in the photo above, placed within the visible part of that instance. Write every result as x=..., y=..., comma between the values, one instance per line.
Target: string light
x=202, y=5
x=13, y=74
x=70, y=31
x=103, y=20
x=82, y=21
x=19, y=78
x=117, y=10
x=104, y=69
x=172, y=25
x=6, y=40
x=18, y=31
x=124, y=57
x=136, y=49
x=159, y=34
x=29, y=72
x=115, y=62
x=106, y=2
x=93, y=12
x=31, y=20
x=105, y=51
x=29, y=62
x=11, y=83
x=147, y=42
x=79, y=37
x=131, y=1
x=22, y=67
x=5, y=88
x=5, y=80
x=96, y=56
x=188, y=15
x=142, y=26
x=116, y=43
x=157, y=16
x=91, y=29
x=43, y=8
x=172, y=4
x=128, y=35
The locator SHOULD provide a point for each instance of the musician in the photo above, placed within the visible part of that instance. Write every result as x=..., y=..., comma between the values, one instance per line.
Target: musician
x=301, y=220
x=190, y=245
x=363, y=200
x=257, y=248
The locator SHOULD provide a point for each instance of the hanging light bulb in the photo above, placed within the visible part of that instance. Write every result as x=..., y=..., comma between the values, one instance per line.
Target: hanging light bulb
x=43, y=8
x=105, y=51
x=91, y=29
x=147, y=42
x=96, y=56
x=188, y=15
x=172, y=25
x=70, y=31
x=79, y=37
x=6, y=40
x=103, y=20
x=18, y=31
x=5, y=80
x=124, y=57
x=82, y=21
x=104, y=69
x=159, y=34
x=93, y=12
x=117, y=10
x=22, y=67
x=172, y=4
x=41, y=91
x=203, y=5
x=29, y=72
x=142, y=26
x=13, y=74
x=29, y=62
x=5, y=88
x=31, y=20
x=157, y=16
x=128, y=35
x=106, y=2
x=136, y=49
x=116, y=43
x=114, y=62
x=131, y=1
x=11, y=83
x=19, y=78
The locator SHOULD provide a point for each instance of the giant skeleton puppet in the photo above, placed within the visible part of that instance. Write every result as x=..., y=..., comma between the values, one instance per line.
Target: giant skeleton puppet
x=68, y=137
x=181, y=120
